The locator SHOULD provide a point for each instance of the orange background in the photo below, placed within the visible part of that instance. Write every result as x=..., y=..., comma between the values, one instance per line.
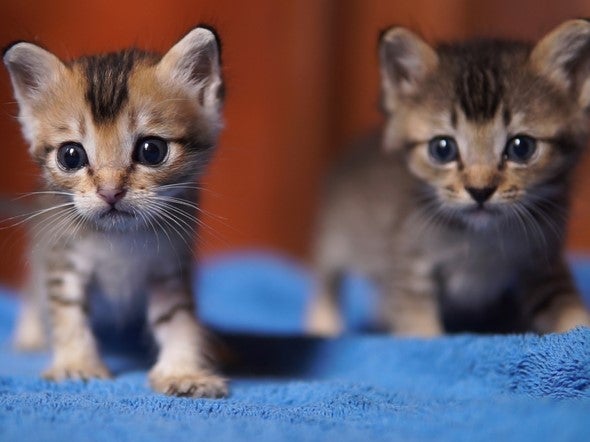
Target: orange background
x=302, y=81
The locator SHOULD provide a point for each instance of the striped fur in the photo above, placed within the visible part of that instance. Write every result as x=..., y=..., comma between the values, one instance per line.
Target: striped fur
x=474, y=243
x=479, y=87
x=116, y=225
x=107, y=78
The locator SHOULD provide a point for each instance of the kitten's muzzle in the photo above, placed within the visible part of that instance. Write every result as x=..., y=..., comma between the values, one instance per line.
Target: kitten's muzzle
x=111, y=195
x=480, y=194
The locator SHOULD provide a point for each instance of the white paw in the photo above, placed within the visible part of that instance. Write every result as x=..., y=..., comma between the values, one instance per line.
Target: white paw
x=323, y=322
x=572, y=318
x=193, y=384
x=562, y=318
x=77, y=371
x=30, y=334
x=29, y=340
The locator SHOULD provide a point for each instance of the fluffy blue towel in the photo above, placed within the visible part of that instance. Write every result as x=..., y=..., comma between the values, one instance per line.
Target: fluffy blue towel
x=286, y=387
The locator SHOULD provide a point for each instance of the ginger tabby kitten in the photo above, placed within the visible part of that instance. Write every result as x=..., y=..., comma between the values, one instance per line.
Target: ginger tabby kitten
x=122, y=140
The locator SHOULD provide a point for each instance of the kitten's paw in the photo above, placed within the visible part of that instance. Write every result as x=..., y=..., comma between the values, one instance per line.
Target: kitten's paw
x=77, y=371
x=323, y=321
x=195, y=384
x=571, y=318
x=30, y=334
x=562, y=318
x=27, y=339
x=323, y=329
x=417, y=326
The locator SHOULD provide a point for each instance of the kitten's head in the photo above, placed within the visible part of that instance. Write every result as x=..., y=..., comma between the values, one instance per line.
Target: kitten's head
x=491, y=127
x=120, y=135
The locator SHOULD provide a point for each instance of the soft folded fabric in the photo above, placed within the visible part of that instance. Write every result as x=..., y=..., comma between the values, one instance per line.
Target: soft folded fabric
x=289, y=387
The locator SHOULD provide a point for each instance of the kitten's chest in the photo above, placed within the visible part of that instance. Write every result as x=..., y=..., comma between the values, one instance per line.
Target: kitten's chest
x=122, y=265
x=471, y=270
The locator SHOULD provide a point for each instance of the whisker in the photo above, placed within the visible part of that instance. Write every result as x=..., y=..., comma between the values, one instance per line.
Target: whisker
x=33, y=215
x=191, y=205
x=158, y=222
x=181, y=213
x=146, y=217
x=51, y=222
x=43, y=192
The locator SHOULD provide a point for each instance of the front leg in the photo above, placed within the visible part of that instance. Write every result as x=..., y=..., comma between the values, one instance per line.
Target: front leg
x=414, y=314
x=411, y=306
x=75, y=353
x=554, y=304
x=182, y=368
x=31, y=330
x=32, y=327
x=323, y=317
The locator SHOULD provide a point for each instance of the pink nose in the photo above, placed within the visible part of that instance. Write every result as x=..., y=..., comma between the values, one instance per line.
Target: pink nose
x=111, y=196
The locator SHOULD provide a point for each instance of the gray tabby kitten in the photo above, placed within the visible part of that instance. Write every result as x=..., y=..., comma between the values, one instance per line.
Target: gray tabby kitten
x=121, y=139
x=459, y=211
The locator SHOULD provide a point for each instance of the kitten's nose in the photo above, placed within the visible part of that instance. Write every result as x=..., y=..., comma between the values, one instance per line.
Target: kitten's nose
x=111, y=195
x=481, y=195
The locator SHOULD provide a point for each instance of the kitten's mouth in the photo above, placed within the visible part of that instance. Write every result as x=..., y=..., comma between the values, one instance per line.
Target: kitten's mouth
x=113, y=213
x=480, y=215
x=115, y=219
x=480, y=208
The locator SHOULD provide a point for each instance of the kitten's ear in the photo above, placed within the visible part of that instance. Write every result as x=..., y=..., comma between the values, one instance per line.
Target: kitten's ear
x=32, y=71
x=405, y=61
x=194, y=62
x=563, y=56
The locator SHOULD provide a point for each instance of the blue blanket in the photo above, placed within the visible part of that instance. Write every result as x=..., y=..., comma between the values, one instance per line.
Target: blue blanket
x=287, y=387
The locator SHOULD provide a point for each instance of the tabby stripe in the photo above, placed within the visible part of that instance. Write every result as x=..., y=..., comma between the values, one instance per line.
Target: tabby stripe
x=107, y=77
x=166, y=317
x=564, y=142
x=410, y=145
x=549, y=295
x=506, y=116
x=57, y=299
x=193, y=143
x=178, y=275
x=55, y=282
x=162, y=280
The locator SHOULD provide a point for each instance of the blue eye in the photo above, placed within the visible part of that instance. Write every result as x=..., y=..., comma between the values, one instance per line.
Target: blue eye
x=443, y=149
x=71, y=156
x=520, y=148
x=151, y=151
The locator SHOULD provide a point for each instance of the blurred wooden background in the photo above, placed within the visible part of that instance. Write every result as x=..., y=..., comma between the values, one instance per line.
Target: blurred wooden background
x=302, y=79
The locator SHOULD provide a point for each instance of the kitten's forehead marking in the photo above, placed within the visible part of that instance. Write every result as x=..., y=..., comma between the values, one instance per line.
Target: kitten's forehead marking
x=506, y=116
x=479, y=90
x=107, y=78
x=479, y=71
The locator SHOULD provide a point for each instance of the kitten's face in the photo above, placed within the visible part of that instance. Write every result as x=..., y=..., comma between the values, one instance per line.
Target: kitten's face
x=489, y=133
x=121, y=134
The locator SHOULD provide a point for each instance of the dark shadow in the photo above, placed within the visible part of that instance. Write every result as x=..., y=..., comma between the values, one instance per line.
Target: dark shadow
x=279, y=356
x=132, y=348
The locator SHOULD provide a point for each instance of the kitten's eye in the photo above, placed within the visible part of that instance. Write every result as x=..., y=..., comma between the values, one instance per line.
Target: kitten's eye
x=520, y=148
x=72, y=156
x=151, y=151
x=443, y=149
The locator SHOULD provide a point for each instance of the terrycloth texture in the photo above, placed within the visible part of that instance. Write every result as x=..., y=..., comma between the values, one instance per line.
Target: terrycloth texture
x=359, y=387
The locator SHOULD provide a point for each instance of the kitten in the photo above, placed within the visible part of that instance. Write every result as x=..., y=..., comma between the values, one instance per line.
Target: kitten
x=121, y=139
x=459, y=211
